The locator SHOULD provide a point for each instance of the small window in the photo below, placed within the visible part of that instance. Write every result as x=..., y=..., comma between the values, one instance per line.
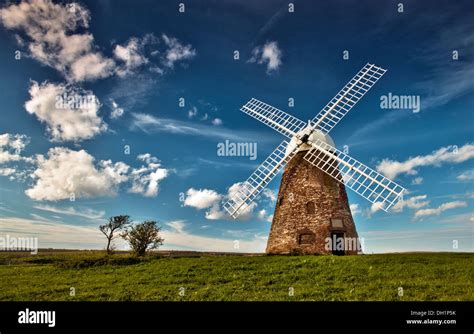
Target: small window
x=280, y=202
x=337, y=222
x=310, y=209
x=306, y=239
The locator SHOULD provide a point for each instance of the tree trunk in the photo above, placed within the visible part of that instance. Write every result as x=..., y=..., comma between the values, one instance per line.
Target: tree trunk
x=108, y=245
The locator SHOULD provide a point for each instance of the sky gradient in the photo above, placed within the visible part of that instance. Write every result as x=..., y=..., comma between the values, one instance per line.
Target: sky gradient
x=168, y=89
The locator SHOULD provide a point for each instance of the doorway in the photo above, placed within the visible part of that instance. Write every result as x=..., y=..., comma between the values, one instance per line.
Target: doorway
x=337, y=239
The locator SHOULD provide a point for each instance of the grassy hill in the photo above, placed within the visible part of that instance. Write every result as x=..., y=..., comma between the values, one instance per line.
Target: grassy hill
x=49, y=276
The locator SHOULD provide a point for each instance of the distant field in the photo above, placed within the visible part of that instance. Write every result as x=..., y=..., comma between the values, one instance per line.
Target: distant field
x=49, y=276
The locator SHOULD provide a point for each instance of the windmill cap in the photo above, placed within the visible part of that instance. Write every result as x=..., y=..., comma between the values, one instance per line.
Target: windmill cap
x=318, y=134
x=314, y=135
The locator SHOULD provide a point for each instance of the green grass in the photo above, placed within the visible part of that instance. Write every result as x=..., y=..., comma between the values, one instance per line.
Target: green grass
x=49, y=276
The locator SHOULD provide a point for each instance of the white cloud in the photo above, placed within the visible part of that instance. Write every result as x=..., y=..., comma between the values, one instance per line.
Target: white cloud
x=210, y=199
x=216, y=121
x=91, y=66
x=268, y=54
x=132, y=55
x=417, y=181
x=117, y=112
x=414, y=202
x=270, y=194
x=217, y=213
x=7, y=171
x=192, y=112
x=177, y=226
x=264, y=216
x=56, y=35
x=449, y=154
x=202, y=198
x=17, y=142
x=65, y=172
x=11, y=147
x=377, y=206
x=468, y=175
x=176, y=51
x=84, y=212
x=355, y=209
x=69, y=113
x=148, y=158
x=145, y=180
x=49, y=31
x=437, y=211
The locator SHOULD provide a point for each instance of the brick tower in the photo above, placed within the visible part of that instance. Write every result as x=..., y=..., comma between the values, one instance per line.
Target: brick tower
x=311, y=208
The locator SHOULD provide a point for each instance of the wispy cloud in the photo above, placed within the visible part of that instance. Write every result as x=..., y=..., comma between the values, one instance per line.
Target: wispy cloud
x=177, y=51
x=152, y=124
x=53, y=234
x=452, y=78
x=187, y=241
x=268, y=54
x=418, y=240
x=220, y=164
x=134, y=91
x=359, y=136
x=445, y=79
x=440, y=209
x=467, y=175
x=448, y=154
x=177, y=226
x=117, y=112
x=414, y=202
x=84, y=212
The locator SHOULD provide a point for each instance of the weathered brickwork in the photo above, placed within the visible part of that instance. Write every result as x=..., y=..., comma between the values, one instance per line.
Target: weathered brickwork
x=309, y=208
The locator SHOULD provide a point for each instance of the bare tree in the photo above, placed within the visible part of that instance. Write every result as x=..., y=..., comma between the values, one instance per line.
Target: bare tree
x=110, y=229
x=143, y=237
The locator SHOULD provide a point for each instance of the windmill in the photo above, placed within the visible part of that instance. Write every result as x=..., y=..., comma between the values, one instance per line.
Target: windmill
x=312, y=207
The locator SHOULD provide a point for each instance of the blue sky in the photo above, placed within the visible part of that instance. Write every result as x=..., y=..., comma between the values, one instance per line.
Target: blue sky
x=138, y=60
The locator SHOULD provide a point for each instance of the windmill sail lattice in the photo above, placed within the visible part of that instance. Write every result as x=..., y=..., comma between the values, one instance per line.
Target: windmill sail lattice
x=259, y=179
x=275, y=118
x=347, y=97
x=368, y=183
